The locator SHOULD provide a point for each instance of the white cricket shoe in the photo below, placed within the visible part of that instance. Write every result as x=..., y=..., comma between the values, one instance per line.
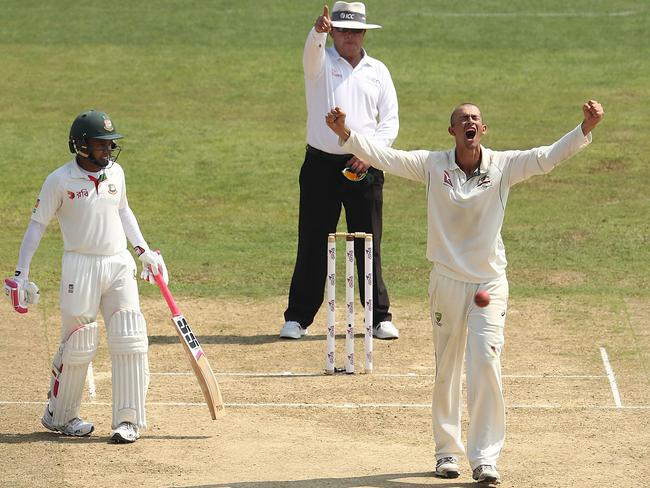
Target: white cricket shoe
x=292, y=330
x=125, y=433
x=75, y=427
x=447, y=467
x=385, y=330
x=486, y=473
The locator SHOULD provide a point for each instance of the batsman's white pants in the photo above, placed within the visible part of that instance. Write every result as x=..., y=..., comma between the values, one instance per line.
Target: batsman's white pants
x=108, y=283
x=69, y=369
x=462, y=329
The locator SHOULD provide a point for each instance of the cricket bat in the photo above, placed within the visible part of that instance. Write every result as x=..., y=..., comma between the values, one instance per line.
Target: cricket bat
x=198, y=359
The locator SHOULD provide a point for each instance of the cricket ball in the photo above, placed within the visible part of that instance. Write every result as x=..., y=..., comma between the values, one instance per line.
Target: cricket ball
x=482, y=298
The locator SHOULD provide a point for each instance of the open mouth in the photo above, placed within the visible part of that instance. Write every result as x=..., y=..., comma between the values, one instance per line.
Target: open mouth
x=470, y=133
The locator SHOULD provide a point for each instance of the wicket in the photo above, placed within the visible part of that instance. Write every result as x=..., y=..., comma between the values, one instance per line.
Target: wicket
x=349, y=297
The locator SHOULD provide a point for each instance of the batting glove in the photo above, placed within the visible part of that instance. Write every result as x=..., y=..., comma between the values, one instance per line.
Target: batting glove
x=152, y=264
x=21, y=293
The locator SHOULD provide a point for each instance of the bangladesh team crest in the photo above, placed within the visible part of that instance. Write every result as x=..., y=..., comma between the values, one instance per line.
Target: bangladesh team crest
x=108, y=125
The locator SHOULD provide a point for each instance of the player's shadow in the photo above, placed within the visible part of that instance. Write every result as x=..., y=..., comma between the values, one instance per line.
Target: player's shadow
x=242, y=340
x=395, y=480
x=34, y=437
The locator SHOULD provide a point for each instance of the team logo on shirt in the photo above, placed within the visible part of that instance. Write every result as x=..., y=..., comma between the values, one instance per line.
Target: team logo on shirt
x=336, y=73
x=38, y=201
x=78, y=194
x=484, y=182
x=111, y=189
x=438, y=316
x=446, y=179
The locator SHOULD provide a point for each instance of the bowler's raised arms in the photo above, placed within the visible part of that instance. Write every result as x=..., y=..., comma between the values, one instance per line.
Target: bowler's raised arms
x=323, y=22
x=593, y=113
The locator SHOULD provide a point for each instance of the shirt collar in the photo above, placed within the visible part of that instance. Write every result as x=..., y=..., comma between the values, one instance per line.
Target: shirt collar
x=365, y=59
x=486, y=158
x=77, y=173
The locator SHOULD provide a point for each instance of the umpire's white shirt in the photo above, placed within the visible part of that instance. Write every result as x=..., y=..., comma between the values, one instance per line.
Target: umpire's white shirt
x=88, y=215
x=366, y=92
x=465, y=215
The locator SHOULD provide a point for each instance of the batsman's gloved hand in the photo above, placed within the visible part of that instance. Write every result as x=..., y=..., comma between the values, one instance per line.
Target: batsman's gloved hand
x=152, y=264
x=21, y=293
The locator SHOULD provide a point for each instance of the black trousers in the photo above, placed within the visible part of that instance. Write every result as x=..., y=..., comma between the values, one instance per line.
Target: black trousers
x=323, y=191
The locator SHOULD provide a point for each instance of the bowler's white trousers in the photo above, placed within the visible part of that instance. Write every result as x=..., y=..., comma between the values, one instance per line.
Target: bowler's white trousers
x=462, y=329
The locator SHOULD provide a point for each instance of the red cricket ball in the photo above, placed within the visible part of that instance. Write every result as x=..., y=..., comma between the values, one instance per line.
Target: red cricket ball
x=482, y=298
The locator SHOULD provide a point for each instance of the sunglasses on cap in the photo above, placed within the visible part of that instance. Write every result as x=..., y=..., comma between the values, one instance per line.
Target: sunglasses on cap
x=344, y=30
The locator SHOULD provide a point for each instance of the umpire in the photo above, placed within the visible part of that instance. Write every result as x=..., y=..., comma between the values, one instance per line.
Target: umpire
x=342, y=75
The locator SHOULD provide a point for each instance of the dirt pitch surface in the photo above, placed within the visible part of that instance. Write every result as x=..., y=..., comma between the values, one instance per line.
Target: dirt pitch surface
x=307, y=430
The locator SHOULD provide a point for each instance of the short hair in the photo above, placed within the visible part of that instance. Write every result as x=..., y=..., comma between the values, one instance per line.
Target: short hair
x=451, y=117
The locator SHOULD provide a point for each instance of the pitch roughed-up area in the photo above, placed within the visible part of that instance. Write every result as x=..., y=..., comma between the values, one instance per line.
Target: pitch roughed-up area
x=312, y=430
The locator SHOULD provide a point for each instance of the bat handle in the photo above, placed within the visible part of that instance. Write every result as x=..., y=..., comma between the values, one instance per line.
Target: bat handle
x=167, y=295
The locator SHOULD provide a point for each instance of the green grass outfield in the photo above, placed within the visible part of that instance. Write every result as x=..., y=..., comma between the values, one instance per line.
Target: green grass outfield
x=210, y=96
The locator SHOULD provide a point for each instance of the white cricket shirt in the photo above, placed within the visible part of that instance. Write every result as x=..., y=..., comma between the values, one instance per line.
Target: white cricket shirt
x=465, y=215
x=365, y=92
x=88, y=214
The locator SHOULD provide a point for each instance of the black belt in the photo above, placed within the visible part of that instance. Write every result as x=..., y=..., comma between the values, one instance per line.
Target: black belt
x=325, y=155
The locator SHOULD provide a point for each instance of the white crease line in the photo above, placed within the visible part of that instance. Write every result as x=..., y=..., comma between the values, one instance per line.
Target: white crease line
x=612, y=379
x=352, y=406
x=285, y=374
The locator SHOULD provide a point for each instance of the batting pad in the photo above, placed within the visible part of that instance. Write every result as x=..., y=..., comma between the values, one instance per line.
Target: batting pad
x=128, y=344
x=69, y=370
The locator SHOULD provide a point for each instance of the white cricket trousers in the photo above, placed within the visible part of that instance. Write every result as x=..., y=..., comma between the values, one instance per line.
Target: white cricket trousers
x=90, y=282
x=461, y=329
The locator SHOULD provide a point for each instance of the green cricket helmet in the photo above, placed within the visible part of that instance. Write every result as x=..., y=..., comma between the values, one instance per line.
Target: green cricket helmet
x=92, y=124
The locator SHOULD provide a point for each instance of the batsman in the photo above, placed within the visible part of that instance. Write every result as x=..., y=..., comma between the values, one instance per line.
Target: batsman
x=88, y=197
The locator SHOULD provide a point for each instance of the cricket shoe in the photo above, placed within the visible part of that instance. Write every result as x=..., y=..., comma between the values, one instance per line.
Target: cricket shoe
x=385, y=330
x=486, y=473
x=447, y=467
x=125, y=433
x=75, y=427
x=292, y=330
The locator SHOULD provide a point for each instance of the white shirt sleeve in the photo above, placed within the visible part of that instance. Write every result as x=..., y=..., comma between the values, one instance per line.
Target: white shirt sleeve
x=407, y=164
x=31, y=240
x=313, y=56
x=131, y=228
x=521, y=165
x=388, y=126
x=49, y=201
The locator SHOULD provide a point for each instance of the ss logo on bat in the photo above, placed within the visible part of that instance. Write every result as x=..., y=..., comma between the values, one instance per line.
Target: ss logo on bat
x=184, y=327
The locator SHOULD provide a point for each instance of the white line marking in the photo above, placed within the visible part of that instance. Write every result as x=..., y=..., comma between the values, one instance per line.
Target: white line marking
x=285, y=374
x=351, y=405
x=612, y=379
x=90, y=378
